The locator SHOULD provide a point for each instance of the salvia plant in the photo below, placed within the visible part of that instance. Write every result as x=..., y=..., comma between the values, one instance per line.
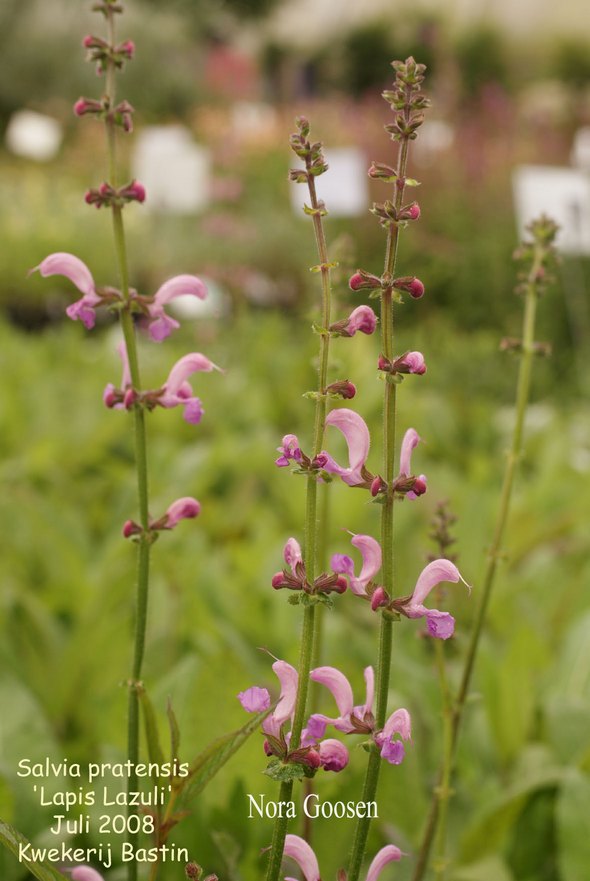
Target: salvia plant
x=305, y=730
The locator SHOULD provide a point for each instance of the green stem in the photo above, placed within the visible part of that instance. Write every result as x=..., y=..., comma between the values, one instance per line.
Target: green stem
x=438, y=808
x=310, y=636
x=141, y=462
x=387, y=531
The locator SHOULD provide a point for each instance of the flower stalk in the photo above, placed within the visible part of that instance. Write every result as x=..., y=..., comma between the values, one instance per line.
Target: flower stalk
x=407, y=103
x=536, y=256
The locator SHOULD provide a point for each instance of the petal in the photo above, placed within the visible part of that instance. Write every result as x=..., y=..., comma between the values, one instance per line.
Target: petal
x=85, y=873
x=371, y=553
x=339, y=685
x=440, y=624
x=126, y=377
x=184, y=368
x=288, y=677
x=333, y=755
x=178, y=287
x=292, y=553
x=356, y=434
x=415, y=362
x=386, y=855
x=431, y=575
x=300, y=851
x=398, y=723
x=393, y=751
x=182, y=509
x=254, y=699
x=73, y=268
x=370, y=682
x=342, y=564
x=361, y=319
x=316, y=726
x=193, y=411
x=162, y=326
x=411, y=439
x=81, y=311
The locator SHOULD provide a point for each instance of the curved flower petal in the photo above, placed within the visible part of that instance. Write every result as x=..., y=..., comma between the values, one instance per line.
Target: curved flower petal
x=85, y=873
x=338, y=684
x=370, y=696
x=342, y=564
x=183, y=368
x=371, y=553
x=398, y=723
x=182, y=509
x=386, y=855
x=393, y=751
x=254, y=699
x=431, y=575
x=292, y=553
x=73, y=268
x=440, y=624
x=411, y=440
x=414, y=363
x=288, y=677
x=300, y=851
x=179, y=286
x=333, y=755
x=358, y=440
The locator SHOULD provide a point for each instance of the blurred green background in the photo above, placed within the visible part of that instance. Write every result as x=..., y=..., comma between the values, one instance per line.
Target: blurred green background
x=522, y=791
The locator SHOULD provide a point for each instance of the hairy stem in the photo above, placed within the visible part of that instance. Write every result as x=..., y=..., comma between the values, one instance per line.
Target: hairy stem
x=438, y=807
x=141, y=463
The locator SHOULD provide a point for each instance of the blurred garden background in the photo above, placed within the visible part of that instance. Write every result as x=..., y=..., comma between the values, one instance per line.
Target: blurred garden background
x=508, y=89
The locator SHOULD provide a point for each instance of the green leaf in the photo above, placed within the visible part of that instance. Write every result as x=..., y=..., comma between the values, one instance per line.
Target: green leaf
x=489, y=869
x=12, y=839
x=411, y=182
x=152, y=736
x=573, y=810
x=216, y=754
x=282, y=773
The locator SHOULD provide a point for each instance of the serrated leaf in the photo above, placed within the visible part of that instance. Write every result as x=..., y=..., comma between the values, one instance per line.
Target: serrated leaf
x=276, y=770
x=216, y=754
x=13, y=840
x=174, y=731
x=155, y=751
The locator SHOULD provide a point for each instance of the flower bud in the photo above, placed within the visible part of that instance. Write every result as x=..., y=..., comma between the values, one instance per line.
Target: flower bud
x=127, y=49
x=133, y=192
x=378, y=486
x=342, y=387
x=193, y=871
x=87, y=105
x=379, y=598
x=130, y=528
x=410, y=212
x=383, y=363
x=363, y=281
x=419, y=487
x=411, y=285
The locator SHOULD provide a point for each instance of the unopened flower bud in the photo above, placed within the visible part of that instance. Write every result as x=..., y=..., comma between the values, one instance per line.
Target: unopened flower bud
x=312, y=759
x=413, y=211
x=419, y=487
x=89, y=41
x=133, y=192
x=377, y=486
x=267, y=748
x=412, y=285
x=342, y=387
x=193, y=871
x=379, y=598
x=130, y=528
x=278, y=580
x=129, y=398
x=87, y=105
x=127, y=49
x=363, y=281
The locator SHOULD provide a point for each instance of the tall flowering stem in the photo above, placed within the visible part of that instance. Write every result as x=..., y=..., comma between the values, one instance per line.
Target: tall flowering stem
x=407, y=103
x=535, y=257
x=311, y=154
x=144, y=539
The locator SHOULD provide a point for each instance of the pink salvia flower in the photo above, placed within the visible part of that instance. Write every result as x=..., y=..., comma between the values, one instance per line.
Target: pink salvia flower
x=440, y=624
x=361, y=319
x=410, y=441
x=337, y=683
x=333, y=755
x=77, y=272
x=358, y=440
x=255, y=699
x=178, y=392
x=290, y=451
x=284, y=710
x=182, y=509
x=370, y=552
x=160, y=324
x=300, y=851
x=292, y=553
x=414, y=362
x=386, y=855
x=85, y=873
x=393, y=750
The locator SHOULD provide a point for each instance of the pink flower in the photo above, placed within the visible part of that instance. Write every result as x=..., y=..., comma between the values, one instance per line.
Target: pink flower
x=254, y=699
x=371, y=554
x=294, y=577
x=300, y=851
x=356, y=434
x=440, y=624
x=411, y=439
x=412, y=362
x=77, y=272
x=333, y=755
x=362, y=280
x=412, y=285
x=361, y=319
x=85, y=873
x=160, y=324
x=182, y=509
x=177, y=391
x=359, y=719
x=290, y=451
x=285, y=709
